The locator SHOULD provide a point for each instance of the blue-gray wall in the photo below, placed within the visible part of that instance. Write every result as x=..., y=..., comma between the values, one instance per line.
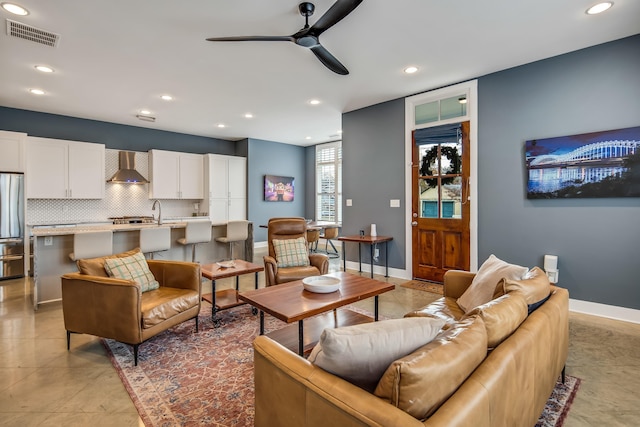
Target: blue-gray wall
x=273, y=158
x=114, y=136
x=597, y=240
x=372, y=175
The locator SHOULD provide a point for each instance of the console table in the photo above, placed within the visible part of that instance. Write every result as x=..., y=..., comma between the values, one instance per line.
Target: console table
x=367, y=240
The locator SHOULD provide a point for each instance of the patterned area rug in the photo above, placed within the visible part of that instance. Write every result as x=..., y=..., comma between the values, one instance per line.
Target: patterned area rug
x=434, y=288
x=184, y=378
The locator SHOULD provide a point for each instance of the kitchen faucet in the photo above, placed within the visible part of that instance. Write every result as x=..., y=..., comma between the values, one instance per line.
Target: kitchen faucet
x=153, y=208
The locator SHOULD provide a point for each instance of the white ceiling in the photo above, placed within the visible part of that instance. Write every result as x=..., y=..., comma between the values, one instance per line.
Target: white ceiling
x=117, y=57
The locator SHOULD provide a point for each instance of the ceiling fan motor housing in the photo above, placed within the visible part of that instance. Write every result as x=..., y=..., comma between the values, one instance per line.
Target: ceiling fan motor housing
x=306, y=8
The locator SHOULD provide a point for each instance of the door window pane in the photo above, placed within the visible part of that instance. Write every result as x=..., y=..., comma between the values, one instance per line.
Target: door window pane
x=426, y=113
x=452, y=199
x=429, y=197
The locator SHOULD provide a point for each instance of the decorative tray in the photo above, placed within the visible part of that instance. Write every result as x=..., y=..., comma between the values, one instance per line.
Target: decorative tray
x=321, y=284
x=226, y=264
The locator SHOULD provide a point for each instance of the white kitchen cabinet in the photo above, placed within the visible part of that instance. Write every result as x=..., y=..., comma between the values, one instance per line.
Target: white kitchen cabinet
x=59, y=169
x=226, y=187
x=176, y=175
x=12, y=151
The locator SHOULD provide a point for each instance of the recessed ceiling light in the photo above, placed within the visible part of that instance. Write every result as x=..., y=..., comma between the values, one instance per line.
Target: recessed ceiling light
x=167, y=97
x=36, y=91
x=410, y=70
x=308, y=137
x=314, y=101
x=222, y=125
x=599, y=8
x=44, y=68
x=16, y=9
x=145, y=112
x=248, y=116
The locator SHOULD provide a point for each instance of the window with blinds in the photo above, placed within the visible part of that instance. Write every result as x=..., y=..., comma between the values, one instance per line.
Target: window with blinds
x=329, y=182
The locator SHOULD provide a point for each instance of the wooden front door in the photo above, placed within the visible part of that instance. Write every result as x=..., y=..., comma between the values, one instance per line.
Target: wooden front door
x=440, y=202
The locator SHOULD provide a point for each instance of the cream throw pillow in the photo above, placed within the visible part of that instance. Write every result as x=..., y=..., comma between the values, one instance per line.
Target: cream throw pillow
x=134, y=268
x=291, y=252
x=361, y=353
x=484, y=283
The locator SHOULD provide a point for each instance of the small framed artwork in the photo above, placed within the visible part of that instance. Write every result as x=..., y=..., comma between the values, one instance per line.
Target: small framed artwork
x=278, y=188
x=597, y=164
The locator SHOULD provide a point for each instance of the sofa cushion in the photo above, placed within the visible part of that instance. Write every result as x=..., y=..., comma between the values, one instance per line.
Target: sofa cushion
x=95, y=266
x=444, y=308
x=488, y=277
x=361, y=353
x=534, y=285
x=421, y=381
x=291, y=252
x=134, y=268
x=164, y=303
x=296, y=273
x=501, y=316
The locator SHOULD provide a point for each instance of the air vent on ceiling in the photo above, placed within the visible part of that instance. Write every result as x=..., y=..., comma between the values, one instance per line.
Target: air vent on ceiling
x=27, y=32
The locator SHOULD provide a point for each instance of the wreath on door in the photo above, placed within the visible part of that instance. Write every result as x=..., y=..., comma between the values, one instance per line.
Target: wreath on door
x=430, y=156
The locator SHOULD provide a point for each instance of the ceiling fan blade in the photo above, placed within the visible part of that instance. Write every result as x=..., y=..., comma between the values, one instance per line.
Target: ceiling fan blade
x=252, y=39
x=339, y=10
x=329, y=60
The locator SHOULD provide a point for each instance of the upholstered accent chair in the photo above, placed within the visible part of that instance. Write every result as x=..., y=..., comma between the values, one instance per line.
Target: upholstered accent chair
x=287, y=232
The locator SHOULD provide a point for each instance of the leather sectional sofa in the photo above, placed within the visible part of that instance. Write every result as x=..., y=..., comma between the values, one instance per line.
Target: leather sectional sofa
x=503, y=367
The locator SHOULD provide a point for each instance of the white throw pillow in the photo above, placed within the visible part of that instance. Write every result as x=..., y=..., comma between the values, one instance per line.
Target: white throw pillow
x=360, y=354
x=483, y=286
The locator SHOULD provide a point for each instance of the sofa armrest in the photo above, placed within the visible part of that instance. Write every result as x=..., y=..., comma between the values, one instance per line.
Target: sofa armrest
x=176, y=274
x=456, y=282
x=290, y=391
x=102, y=306
x=320, y=261
x=270, y=270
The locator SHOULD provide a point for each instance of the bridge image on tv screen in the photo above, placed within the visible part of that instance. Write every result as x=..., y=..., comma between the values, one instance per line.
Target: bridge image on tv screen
x=597, y=164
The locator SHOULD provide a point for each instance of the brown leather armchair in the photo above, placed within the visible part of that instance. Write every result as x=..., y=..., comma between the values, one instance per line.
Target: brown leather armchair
x=95, y=304
x=290, y=228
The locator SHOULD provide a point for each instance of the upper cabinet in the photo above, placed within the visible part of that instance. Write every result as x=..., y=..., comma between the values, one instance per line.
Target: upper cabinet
x=226, y=187
x=58, y=169
x=12, y=151
x=176, y=175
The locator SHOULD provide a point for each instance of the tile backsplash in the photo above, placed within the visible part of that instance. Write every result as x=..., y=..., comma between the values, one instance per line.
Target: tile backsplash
x=119, y=200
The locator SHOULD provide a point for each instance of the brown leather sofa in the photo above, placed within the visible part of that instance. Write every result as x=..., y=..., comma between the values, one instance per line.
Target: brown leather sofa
x=95, y=304
x=290, y=228
x=508, y=388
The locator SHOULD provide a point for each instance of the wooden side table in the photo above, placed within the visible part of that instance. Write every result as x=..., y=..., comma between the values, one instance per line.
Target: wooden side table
x=367, y=240
x=227, y=298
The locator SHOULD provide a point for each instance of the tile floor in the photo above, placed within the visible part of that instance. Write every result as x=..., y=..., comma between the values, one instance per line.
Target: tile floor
x=43, y=384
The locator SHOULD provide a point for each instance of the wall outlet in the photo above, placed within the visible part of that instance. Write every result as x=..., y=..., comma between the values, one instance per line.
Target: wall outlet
x=349, y=202
x=394, y=203
x=48, y=240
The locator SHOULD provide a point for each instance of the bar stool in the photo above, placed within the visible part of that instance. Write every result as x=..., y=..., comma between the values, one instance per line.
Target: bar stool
x=92, y=244
x=155, y=239
x=313, y=235
x=330, y=233
x=237, y=231
x=196, y=232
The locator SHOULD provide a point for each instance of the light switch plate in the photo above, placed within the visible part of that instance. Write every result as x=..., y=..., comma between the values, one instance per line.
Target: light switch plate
x=394, y=203
x=349, y=202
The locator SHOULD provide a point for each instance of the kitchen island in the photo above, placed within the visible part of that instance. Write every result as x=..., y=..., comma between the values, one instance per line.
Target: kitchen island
x=53, y=244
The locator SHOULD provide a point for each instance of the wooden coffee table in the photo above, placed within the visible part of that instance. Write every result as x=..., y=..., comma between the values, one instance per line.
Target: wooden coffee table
x=290, y=302
x=227, y=298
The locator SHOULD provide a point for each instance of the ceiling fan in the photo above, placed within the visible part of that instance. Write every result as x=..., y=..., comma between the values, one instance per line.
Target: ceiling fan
x=308, y=36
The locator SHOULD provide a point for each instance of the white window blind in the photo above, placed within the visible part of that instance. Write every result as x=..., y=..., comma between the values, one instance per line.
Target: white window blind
x=329, y=182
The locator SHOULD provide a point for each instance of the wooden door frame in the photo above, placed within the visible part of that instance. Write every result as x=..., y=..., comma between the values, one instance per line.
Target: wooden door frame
x=471, y=89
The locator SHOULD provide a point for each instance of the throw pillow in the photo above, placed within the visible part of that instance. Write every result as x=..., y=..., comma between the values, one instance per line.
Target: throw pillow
x=291, y=252
x=95, y=266
x=134, y=268
x=423, y=380
x=361, y=353
x=483, y=286
x=501, y=316
x=534, y=285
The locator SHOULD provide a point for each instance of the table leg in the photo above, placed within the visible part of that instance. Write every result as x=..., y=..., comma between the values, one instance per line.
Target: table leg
x=237, y=283
x=375, y=308
x=386, y=259
x=213, y=299
x=261, y=322
x=344, y=258
x=359, y=257
x=300, y=338
x=371, y=251
x=254, y=310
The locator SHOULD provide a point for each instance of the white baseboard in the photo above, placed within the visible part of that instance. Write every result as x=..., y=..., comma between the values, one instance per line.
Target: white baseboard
x=604, y=310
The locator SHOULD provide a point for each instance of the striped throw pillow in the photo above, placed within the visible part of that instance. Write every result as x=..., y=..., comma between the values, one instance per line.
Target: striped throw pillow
x=291, y=252
x=134, y=268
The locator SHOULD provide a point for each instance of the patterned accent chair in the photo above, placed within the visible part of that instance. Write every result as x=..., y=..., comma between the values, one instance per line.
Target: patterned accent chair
x=290, y=228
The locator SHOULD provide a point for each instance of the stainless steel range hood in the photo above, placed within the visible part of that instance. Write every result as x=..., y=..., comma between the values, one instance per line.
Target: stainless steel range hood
x=127, y=174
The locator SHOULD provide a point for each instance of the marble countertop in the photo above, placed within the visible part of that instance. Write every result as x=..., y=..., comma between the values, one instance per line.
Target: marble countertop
x=66, y=229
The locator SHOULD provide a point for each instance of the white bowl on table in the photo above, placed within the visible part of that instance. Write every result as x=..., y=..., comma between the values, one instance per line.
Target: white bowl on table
x=321, y=284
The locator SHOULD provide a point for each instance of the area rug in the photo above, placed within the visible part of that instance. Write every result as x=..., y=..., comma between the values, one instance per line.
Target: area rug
x=184, y=378
x=420, y=285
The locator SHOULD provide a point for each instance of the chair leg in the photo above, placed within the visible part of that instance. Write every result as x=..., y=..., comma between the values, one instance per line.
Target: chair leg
x=196, y=324
x=135, y=354
x=68, y=340
x=193, y=253
x=564, y=368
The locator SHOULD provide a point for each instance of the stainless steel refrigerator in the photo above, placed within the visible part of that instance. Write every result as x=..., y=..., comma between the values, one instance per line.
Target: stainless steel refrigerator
x=11, y=225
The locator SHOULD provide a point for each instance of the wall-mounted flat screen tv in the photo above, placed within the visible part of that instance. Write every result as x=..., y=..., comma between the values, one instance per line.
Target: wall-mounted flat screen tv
x=597, y=164
x=278, y=188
